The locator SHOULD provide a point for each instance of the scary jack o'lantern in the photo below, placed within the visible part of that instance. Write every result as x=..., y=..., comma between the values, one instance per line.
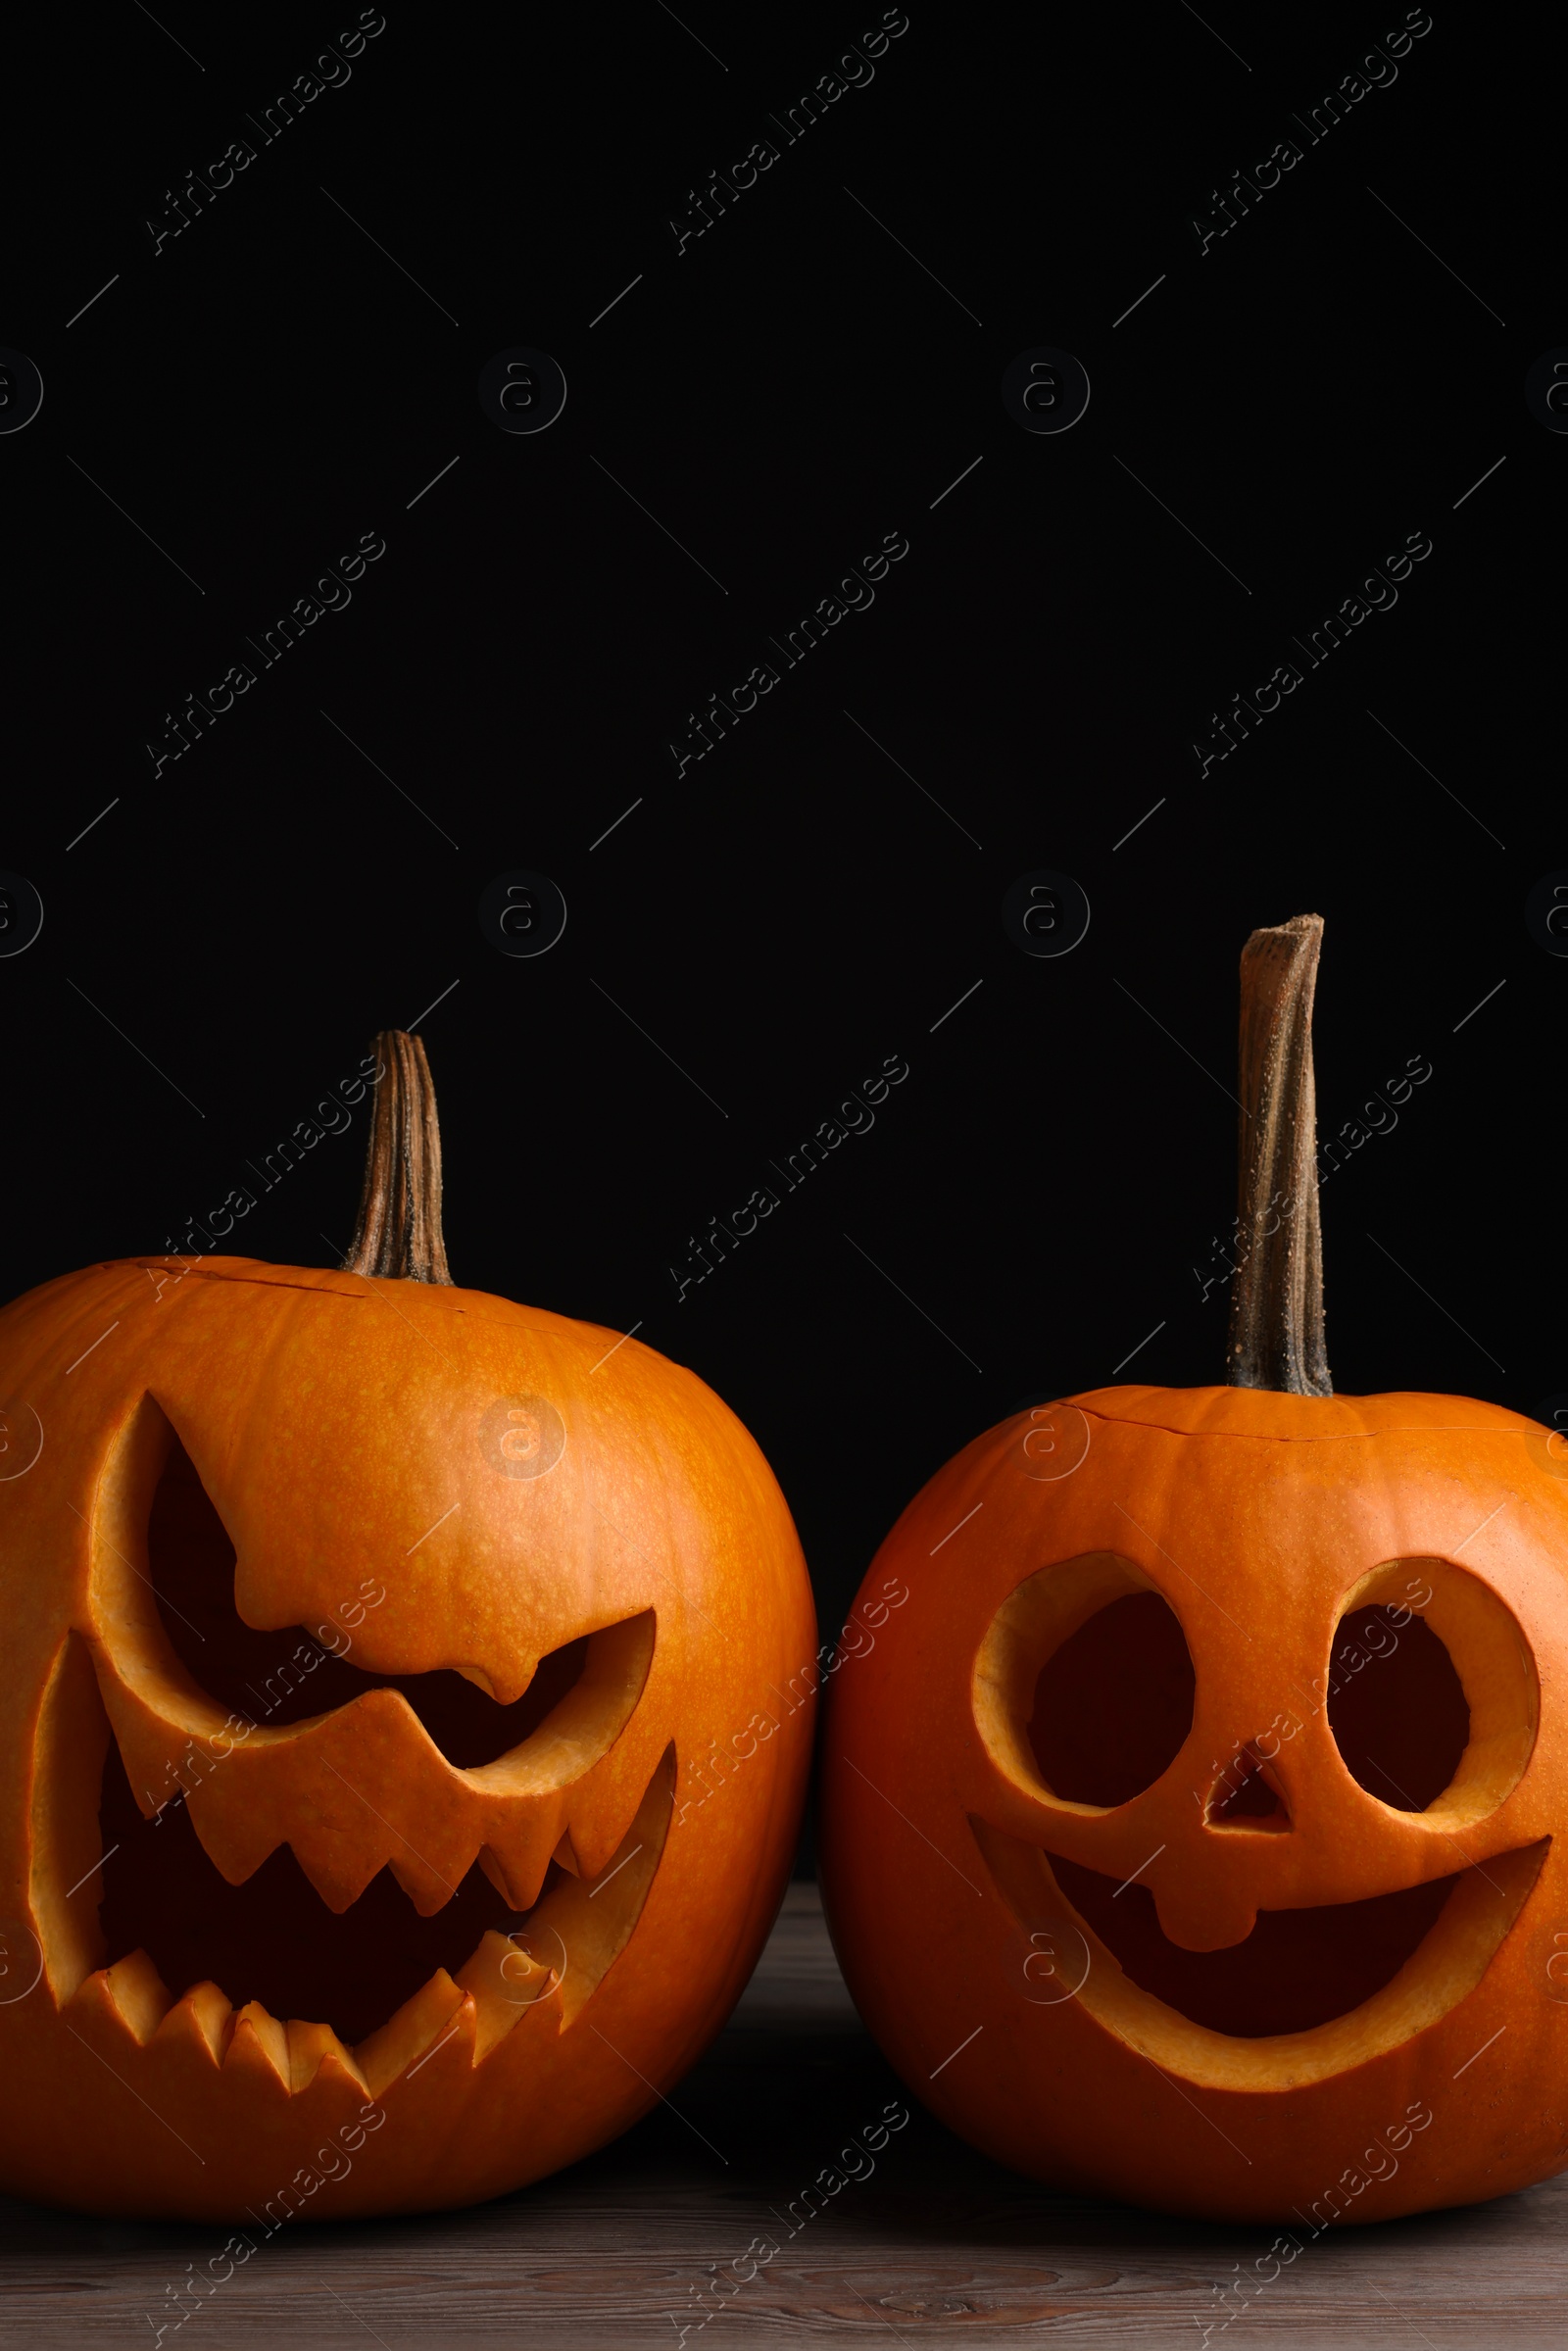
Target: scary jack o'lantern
x=360, y=1638
x=1194, y=1841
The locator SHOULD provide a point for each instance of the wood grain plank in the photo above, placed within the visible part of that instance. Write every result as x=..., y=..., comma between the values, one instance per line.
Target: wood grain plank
x=622, y=2251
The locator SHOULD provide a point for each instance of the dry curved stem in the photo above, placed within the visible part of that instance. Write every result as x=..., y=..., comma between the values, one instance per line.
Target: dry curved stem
x=398, y=1231
x=1276, y=1322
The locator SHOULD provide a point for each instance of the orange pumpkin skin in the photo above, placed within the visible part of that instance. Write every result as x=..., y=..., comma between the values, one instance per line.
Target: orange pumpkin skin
x=1260, y=1517
x=353, y=1435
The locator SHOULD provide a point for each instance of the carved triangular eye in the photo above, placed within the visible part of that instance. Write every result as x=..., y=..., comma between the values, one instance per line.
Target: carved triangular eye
x=286, y=1676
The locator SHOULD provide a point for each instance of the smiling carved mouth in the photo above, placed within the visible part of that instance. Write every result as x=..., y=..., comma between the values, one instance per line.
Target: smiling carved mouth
x=1310, y=1991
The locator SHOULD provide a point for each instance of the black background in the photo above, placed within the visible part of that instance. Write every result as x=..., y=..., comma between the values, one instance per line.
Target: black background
x=779, y=395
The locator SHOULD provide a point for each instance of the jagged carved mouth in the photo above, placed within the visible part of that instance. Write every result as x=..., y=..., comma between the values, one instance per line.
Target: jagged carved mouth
x=282, y=1885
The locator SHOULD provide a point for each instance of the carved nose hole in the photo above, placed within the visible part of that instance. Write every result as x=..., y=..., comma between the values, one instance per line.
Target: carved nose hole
x=1247, y=1795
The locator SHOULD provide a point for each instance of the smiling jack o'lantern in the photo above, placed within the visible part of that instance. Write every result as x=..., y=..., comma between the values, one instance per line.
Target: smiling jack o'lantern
x=360, y=1635
x=1194, y=1841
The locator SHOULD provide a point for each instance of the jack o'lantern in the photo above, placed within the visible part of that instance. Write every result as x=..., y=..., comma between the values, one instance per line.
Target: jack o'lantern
x=361, y=1638
x=1192, y=1842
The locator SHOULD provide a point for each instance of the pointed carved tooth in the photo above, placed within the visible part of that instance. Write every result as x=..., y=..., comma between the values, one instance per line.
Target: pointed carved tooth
x=139, y=1995
x=427, y=1888
x=566, y=1857
x=505, y=1984
x=314, y=2050
x=127, y=2002
x=339, y=1874
x=259, y=2046
x=516, y=1859
x=409, y=2035
x=201, y=2022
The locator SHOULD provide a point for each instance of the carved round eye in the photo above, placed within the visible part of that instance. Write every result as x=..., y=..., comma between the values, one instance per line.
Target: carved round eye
x=1397, y=1707
x=1113, y=1703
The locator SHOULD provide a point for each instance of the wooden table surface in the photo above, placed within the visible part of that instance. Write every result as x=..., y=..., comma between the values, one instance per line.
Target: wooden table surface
x=621, y=2250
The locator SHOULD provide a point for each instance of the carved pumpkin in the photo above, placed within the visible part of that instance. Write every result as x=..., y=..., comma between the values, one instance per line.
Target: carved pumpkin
x=1190, y=1841
x=361, y=1635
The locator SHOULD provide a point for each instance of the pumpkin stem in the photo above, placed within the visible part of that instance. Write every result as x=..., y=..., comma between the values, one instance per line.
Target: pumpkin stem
x=1276, y=1327
x=398, y=1231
